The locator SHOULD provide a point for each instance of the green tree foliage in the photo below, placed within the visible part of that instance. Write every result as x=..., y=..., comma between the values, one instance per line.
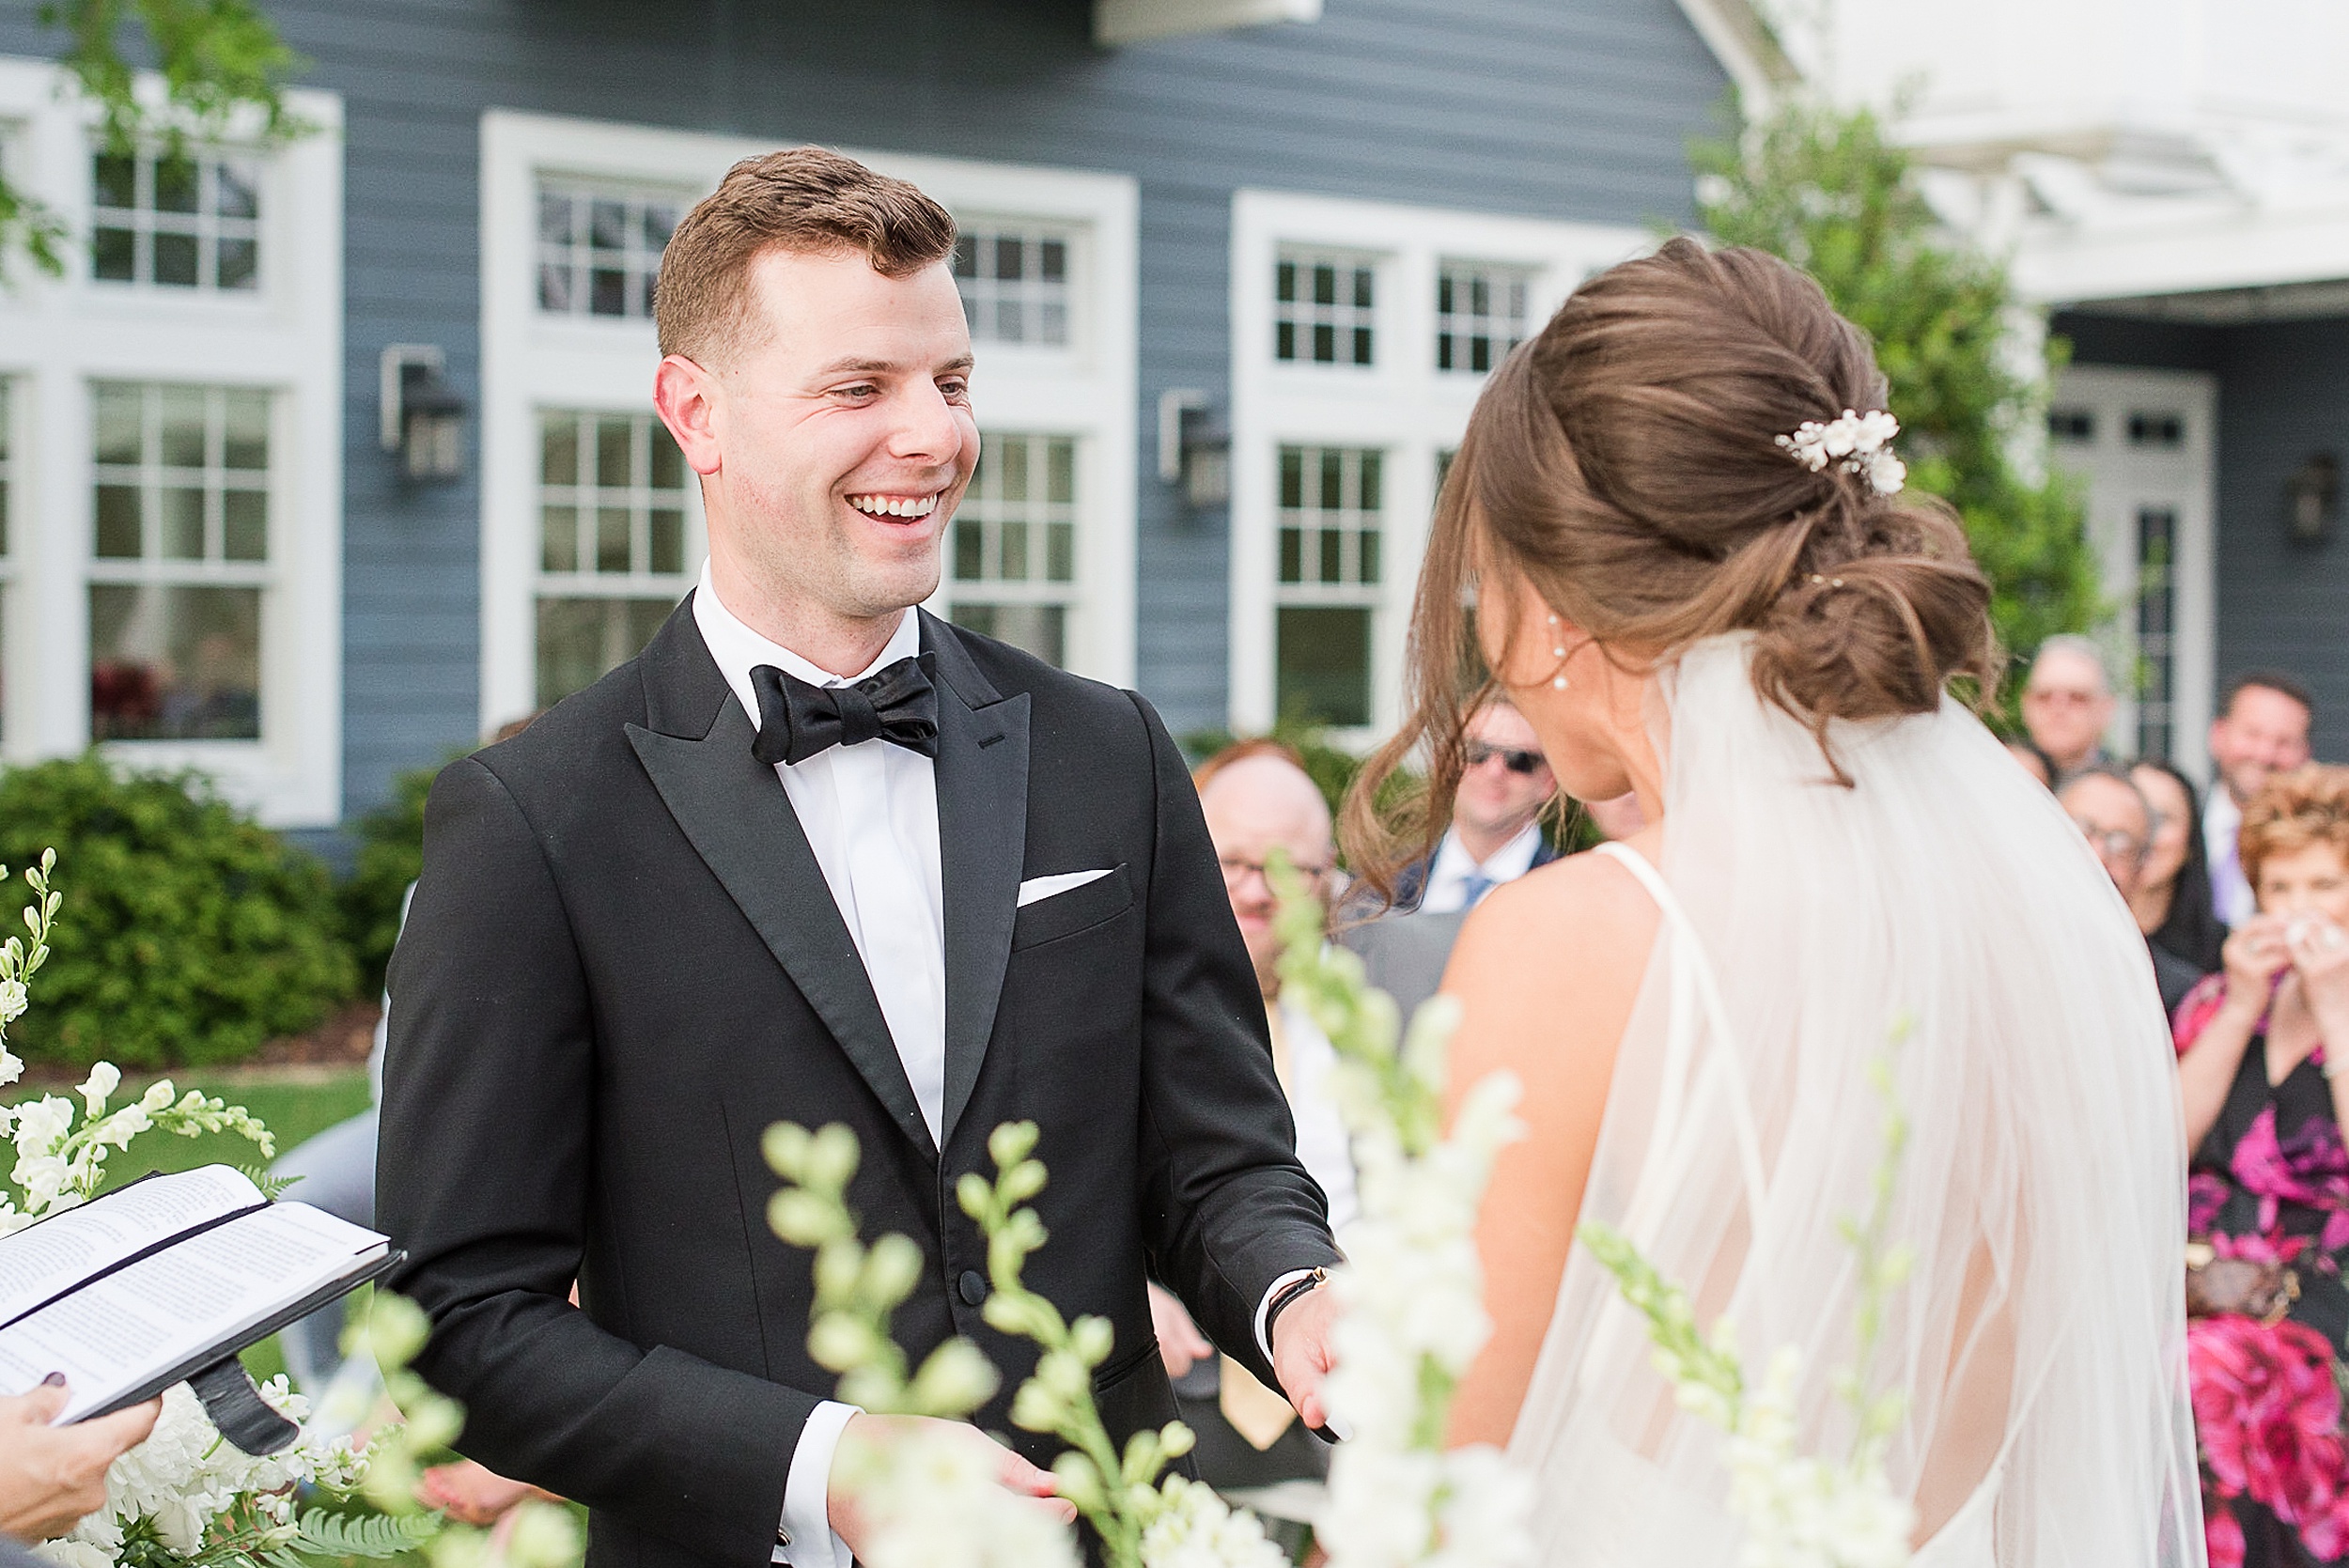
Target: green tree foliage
x=391, y=856
x=189, y=934
x=220, y=60
x=1828, y=192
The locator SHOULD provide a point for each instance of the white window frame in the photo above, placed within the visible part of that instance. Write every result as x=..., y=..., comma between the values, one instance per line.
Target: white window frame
x=58, y=335
x=2121, y=479
x=1400, y=403
x=531, y=360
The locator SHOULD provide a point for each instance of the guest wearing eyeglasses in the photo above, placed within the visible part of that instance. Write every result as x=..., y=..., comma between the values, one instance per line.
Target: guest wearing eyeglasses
x=2108, y=807
x=1496, y=831
x=1260, y=802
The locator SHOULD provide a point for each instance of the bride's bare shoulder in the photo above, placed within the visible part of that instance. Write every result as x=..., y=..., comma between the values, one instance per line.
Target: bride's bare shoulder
x=1547, y=966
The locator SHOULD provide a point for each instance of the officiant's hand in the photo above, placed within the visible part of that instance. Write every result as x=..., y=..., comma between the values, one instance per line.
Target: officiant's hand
x=1015, y=1474
x=54, y=1477
x=1301, y=1357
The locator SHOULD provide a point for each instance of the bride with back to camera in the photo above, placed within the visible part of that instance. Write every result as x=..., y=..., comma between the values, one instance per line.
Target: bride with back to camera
x=1698, y=581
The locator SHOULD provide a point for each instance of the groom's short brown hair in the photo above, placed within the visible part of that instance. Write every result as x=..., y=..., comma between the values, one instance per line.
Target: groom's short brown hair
x=803, y=198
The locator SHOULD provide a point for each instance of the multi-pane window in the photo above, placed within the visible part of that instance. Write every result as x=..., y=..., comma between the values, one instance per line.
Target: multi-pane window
x=1479, y=314
x=599, y=247
x=1324, y=308
x=2072, y=426
x=2159, y=429
x=2156, y=628
x=177, y=221
x=1015, y=544
x=612, y=542
x=1014, y=282
x=1331, y=525
x=180, y=556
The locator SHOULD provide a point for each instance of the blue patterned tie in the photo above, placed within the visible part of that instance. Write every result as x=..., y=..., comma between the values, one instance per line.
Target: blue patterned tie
x=1474, y=886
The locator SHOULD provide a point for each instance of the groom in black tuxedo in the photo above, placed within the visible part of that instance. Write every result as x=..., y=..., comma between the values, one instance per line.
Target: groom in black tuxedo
x=816, y=856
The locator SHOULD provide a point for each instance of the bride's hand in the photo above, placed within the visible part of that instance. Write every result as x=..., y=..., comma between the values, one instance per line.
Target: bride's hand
x=1180, y=1342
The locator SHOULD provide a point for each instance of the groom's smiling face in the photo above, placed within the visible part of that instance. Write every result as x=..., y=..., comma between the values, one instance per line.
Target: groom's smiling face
x=842, y=433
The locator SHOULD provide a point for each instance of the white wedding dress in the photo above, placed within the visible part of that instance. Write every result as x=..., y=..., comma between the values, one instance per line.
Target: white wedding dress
x=1946, y=900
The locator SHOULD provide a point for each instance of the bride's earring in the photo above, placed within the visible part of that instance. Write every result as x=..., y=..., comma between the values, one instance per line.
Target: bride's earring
x=1558, y=682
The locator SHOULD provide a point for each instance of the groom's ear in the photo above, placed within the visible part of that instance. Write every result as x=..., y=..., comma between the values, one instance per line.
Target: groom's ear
x=686, y=396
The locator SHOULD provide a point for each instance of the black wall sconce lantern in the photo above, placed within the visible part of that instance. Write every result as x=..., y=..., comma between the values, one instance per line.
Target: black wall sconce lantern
x=2310, y=497
x=1195, y=450
x=423, y=418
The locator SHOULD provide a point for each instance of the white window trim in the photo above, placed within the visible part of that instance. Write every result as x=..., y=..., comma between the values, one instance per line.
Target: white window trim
x=2119, y=482
x=530, y=359
x=1401, y=404
x=58, y=335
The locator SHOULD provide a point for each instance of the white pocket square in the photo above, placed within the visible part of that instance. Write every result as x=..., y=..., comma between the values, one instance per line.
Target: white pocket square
x=1039, y=888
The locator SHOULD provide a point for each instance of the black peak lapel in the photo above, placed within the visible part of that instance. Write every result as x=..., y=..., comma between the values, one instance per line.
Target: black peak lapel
x=739, y=818
x=981, y=847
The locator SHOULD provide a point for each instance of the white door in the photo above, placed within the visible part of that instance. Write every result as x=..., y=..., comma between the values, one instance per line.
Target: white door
x=2145, y=441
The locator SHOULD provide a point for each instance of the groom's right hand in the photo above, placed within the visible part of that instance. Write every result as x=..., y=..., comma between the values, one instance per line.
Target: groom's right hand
x=1015, y=1474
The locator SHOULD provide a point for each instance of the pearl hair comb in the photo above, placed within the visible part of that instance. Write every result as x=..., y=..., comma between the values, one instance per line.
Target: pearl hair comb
x=1859, y=443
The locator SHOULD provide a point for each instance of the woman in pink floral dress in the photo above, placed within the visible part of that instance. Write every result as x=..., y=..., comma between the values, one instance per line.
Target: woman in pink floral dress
x=2265, y=1106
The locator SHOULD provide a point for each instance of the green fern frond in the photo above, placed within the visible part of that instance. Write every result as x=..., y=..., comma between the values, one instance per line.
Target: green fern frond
x=365, y=1536
x=272, y=1188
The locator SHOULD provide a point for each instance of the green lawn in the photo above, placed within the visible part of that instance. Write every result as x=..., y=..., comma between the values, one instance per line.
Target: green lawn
x=293, y=1103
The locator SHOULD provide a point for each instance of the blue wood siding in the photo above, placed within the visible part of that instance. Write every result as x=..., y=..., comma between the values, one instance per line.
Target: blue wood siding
x=1569, y=109
x=2283, y=393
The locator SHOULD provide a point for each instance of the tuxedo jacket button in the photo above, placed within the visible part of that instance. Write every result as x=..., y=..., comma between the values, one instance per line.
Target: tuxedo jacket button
x=973, y=1286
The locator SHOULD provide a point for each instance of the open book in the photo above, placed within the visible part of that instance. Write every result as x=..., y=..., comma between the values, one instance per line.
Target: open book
x=155, y=1282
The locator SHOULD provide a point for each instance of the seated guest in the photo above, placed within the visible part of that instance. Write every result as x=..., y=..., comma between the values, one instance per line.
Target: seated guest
x=2264, y=1074
x=2173, y=899
x=2262, y=729
x=2068, y=703
x=1258, y=802
x=2112, y=811
x=1496, y=831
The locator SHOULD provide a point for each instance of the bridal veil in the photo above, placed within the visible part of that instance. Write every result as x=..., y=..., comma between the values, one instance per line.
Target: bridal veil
x=1943, y=899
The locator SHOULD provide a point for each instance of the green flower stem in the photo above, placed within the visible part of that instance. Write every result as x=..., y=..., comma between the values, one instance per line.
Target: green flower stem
x=1117, y=1496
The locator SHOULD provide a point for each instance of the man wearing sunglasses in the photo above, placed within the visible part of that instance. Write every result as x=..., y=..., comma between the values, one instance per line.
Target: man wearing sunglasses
x=1495, y=837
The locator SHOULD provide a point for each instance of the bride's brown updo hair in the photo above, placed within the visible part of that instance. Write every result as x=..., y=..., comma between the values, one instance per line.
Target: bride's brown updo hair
x=1624, y=464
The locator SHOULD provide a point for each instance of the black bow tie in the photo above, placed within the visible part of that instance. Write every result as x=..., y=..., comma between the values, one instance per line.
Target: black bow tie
x=797, y=720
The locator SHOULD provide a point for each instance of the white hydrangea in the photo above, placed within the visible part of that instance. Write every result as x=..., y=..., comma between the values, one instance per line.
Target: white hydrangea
x=185, y=1476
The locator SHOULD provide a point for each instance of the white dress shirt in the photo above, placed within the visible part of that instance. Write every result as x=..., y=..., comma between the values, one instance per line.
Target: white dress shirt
x=870, y=812
x=2222, y=825
x=1322, y=1145
x=1448, y=878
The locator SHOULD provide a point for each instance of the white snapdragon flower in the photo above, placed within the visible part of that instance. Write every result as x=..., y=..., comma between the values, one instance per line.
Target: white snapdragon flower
x=42, y=1178
x=103, y=1080
x=13, y=1000
x=42, y=1125
x=937, y=1505
x=1800, y=1512
x=1198, y=1529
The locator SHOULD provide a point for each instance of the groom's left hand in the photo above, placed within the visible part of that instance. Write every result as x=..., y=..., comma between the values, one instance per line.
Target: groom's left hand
x=1302, y=1355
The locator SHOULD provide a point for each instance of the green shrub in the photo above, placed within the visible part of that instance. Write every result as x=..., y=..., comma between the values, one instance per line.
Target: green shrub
x=189, y=934
x=391, y=854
